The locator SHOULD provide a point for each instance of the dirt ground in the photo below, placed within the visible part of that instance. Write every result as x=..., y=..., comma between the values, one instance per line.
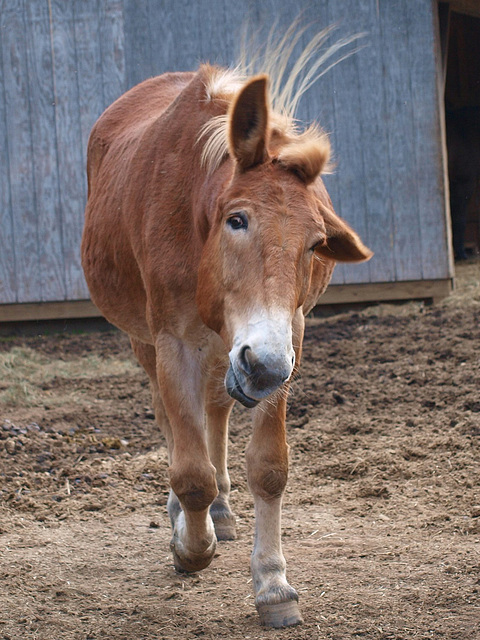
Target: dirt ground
x=381, y=516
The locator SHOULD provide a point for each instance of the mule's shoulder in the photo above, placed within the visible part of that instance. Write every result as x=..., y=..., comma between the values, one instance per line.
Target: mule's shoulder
x=131, y=113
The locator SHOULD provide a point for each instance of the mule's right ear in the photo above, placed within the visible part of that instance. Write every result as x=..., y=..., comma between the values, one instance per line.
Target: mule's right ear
x=248, y=122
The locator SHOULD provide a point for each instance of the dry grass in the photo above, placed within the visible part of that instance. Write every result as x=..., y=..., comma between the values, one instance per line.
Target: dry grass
x=25, y=375
x=467, y=285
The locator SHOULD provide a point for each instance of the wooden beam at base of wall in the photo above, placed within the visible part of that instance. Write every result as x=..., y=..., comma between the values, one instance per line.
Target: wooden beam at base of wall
x=339, y=294
x=48, y=311
x=434, y=290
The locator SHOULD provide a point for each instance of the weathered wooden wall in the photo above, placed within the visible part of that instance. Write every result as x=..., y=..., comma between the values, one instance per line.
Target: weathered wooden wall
x=62, y=63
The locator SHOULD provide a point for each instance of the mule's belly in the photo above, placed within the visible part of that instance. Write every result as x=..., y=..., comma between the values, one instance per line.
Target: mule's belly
x=112, y=275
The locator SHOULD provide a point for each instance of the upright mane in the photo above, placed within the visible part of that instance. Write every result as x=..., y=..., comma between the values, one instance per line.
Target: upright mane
x=289, y=79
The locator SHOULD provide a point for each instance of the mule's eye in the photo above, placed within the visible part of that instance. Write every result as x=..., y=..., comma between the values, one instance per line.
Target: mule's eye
x=237, y=221
x=316, y=245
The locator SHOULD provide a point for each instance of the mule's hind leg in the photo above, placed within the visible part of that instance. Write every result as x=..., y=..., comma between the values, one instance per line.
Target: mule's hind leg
x=218, y=408
x=146, y=356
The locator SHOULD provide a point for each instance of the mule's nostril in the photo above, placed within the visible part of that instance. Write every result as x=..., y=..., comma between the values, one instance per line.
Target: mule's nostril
x=246, y=360
x=250, y=363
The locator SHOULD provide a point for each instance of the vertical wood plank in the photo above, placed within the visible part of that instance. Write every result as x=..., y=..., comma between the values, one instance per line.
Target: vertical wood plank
x=8, y=281
x=401, y=150
x=204, y=29
x=176, y=40
x=322, y=100
x=440, y=75
x=138, y=40
x=372, y=190
x=208, y=30
x=374, y=147
x=112, y=46
x=348, y=136
x=428, y=140
x=235, y=14
x=69, y=141
x=44, y=147
x=20, y=151
x=271, y=18
x=88, y=70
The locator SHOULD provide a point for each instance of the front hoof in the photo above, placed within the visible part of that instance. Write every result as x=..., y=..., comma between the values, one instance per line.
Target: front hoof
x=281, y=614
x=187, y=562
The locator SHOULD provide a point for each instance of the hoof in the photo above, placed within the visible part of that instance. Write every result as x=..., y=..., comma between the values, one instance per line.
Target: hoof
x=225, y=528
x=223, y=520
x=281, y=614
x=190, y=562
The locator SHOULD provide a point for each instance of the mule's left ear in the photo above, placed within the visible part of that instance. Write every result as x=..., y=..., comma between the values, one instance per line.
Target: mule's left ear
x=342, y=244
x=248, y=122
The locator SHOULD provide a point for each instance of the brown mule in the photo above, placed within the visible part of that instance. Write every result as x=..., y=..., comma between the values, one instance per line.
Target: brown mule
x=208, y=237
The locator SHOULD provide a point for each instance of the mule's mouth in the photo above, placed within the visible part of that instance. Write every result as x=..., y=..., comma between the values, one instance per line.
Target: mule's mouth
x=235, y=390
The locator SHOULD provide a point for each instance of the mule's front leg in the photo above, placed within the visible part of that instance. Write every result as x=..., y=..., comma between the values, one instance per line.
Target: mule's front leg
x=192, y=476
x=193, y=542
x=267, y=469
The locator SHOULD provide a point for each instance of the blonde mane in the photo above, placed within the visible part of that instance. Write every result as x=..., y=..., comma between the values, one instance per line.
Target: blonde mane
x=286, y=88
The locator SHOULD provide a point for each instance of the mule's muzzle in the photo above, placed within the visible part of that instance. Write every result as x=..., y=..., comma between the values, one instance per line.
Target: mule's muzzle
x=235, y=390
x=249, y=379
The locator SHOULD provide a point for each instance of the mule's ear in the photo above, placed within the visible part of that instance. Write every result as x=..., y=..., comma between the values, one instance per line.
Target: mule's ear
x=307, y=155
x=342, y=244
x=248, y=122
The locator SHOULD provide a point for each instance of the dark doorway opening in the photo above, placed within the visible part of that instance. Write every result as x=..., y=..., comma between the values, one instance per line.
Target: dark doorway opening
x=462, y=116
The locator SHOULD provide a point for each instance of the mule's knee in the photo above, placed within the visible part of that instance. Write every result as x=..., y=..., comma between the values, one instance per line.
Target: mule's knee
x=195, y=487
x=268, y=480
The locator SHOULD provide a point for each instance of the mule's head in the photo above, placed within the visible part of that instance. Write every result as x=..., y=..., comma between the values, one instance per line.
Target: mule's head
x=273, y=220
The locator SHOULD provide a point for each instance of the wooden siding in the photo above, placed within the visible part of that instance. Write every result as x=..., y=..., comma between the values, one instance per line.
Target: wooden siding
x=430, y=290
x=62, y=63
